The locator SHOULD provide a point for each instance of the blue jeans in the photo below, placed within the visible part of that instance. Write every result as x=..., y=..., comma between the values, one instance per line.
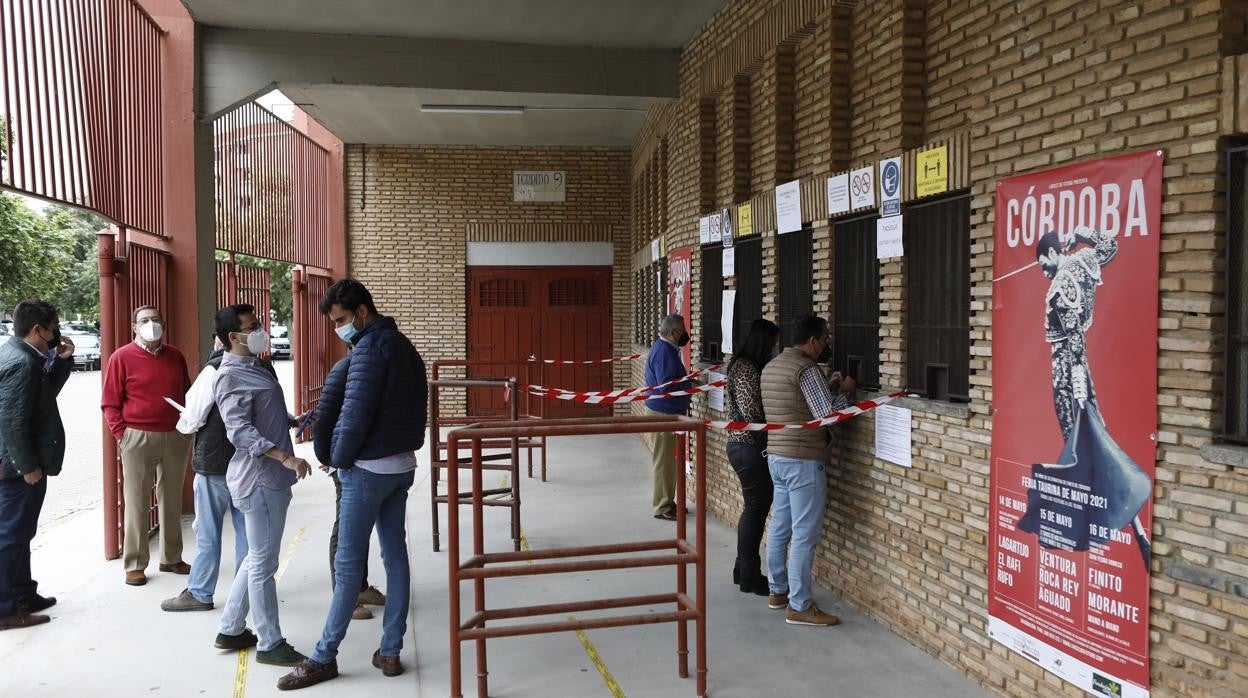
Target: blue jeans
x=369, y=499
x=254, y=586
x=20, y=505
x=800, y=487
x=212, y=501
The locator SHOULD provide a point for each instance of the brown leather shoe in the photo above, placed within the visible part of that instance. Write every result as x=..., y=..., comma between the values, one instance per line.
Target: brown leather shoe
x=371, y=596
x=178, y=567
x=308, y=673
x=361, y=613
x=136, y=578
x=390, y=666
x=17, y=620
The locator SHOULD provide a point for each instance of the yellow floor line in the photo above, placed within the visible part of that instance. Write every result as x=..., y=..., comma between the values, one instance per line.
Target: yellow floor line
x=240, y=672
x=290, y=552
x=590, y=650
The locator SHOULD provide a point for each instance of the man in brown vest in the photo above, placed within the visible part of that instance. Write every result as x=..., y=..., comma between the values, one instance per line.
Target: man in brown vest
x=795, y=390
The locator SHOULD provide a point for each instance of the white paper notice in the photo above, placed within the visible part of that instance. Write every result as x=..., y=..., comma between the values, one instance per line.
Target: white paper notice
x=890, y=187
x=730, y=262
x=717, y=233
x=892, y=434
x=725, y=321
x=838, y=194
x=862, y=187
x=888, y=237
x=704, y=230
x=654, y=250
x=789, y=207
x=715, y=396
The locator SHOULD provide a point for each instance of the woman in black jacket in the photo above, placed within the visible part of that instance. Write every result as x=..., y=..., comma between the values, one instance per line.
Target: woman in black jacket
x=746, y=450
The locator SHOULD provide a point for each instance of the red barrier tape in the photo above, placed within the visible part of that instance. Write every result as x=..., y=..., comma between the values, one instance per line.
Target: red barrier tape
x=630, y=357
x=535, y=389
x=597, y=399
x=834, y=418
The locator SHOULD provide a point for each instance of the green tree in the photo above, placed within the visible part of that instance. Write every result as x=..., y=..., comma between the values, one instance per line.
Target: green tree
x=34, y=260
x=80, y=293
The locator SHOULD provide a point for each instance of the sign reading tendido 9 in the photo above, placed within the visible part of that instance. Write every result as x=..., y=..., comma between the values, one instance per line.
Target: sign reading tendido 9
x=538, y=186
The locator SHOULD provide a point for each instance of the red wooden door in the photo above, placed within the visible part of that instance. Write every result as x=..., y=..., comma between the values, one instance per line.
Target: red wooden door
x=503, y=326
x=549, y=312
x=576, y=324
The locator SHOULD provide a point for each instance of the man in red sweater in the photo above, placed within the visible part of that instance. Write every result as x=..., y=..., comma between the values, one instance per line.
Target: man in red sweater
x=140, y=376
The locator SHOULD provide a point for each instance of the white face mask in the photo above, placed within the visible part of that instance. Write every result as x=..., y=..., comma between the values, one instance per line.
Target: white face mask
x=151, y=331
x=258, y=342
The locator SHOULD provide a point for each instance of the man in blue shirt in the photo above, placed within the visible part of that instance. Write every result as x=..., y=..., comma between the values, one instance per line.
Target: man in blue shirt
x=662, y=365
x=259, y=477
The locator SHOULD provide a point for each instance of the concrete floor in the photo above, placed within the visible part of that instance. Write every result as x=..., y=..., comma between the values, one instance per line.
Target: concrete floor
x=107, y=639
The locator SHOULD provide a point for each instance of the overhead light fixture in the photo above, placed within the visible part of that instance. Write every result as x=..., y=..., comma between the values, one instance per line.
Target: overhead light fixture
x=469, y=109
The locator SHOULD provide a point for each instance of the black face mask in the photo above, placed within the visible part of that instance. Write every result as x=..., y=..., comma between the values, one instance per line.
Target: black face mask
x=683, y=340
x=826, y=355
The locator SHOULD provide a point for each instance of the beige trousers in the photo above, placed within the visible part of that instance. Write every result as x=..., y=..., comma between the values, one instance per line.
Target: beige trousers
x=146, y=457
x=664, y=460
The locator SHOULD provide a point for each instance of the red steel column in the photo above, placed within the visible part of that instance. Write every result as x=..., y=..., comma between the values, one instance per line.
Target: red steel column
x=192, y=273
x=108, y=344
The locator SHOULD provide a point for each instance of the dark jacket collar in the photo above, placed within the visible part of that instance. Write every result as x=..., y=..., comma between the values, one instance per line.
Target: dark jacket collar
x=381, y=324
x=31, y=352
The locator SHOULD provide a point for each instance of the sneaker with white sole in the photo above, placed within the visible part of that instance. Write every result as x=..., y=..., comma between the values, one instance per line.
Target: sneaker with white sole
x=811, y=616
x=777, y=601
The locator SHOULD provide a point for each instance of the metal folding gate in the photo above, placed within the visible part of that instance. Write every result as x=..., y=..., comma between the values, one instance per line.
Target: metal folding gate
x=239, y=283
x=130, y=278
x=91, y=118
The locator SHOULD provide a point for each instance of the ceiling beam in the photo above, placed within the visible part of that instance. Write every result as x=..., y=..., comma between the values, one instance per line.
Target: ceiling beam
x=238, y=65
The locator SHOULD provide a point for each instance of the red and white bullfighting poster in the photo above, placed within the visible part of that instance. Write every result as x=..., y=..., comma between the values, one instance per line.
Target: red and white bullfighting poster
x=1074, y=368
x=679, y=281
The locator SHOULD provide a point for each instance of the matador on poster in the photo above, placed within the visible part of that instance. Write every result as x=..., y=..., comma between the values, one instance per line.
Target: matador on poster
x=1074, y=370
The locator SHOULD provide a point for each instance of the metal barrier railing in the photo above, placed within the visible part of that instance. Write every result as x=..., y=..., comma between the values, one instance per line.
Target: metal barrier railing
x=529, y=407
x=482, y=565
x=441, y=452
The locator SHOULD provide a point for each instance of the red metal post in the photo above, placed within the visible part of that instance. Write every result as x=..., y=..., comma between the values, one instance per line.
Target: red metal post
x=108, y=344
x=682, y=585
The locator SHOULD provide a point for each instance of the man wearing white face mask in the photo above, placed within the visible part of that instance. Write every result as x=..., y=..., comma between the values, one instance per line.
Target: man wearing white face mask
x=139, y=377
x=260, y=476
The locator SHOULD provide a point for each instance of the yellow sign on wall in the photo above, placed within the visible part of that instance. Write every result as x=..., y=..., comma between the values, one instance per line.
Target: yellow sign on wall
x=931, y=171
x=745, y=221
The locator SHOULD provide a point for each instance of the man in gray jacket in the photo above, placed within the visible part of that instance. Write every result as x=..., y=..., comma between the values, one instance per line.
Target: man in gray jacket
x=34, y=365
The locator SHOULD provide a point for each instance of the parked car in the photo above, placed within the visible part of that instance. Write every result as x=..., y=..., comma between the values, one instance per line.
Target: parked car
x=81, y=327
x=86, y=349
x=279, y=343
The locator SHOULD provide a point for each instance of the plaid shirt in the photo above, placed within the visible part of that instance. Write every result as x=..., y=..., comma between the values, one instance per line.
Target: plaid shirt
x=819, y=397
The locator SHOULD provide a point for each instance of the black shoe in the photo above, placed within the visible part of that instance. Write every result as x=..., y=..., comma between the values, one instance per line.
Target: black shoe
x=240, y=641
x=758, y=587
x=284, y=655
x=36, y=604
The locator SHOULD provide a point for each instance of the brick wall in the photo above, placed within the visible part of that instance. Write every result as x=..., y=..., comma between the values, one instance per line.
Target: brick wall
x=408, y=210
x=1026, y=86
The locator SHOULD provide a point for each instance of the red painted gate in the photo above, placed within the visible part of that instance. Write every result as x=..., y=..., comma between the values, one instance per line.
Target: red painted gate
x=549, y=312
x=237, y=283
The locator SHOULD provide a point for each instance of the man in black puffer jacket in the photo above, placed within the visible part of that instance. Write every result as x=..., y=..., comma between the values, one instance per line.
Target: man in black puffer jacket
x=374, y=433
x=328, y=409
x=34, y=365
